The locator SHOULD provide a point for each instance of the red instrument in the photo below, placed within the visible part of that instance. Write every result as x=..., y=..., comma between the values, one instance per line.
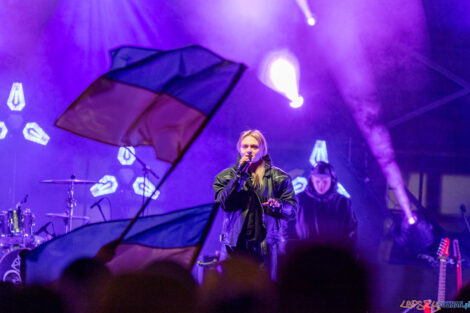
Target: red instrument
x=443, y=255
x=458, y=263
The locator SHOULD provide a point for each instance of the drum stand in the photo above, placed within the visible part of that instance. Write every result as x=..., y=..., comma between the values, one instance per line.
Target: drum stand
x=70, y=201
x=71, y=204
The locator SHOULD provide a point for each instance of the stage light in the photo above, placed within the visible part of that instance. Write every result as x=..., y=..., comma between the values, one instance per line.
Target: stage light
x=297, y=102
x=125, y=156
x=34, y=133
x=144, y=187
x=319, y=152
x=311, y=21
x=3, y=130
x=16, y=98
x=411, y=220
x=299, y=183
x=280, y=71
x=107, y=185
x=304, y=7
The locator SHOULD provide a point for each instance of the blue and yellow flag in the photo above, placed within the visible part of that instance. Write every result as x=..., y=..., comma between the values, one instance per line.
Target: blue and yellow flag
x=176, y=236
x=153, y=97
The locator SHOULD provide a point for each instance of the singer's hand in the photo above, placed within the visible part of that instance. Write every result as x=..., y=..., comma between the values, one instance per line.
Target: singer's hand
x=245, y=159
x=271, y=203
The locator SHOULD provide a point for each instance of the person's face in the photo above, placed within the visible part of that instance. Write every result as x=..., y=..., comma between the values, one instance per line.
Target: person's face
x=250, y=144
x=321, y=183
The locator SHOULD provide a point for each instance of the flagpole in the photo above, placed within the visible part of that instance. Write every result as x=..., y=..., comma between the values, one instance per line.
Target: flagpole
x=205, y=233
x=181, y=155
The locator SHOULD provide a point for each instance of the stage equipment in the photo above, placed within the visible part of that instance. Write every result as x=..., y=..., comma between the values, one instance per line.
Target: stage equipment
x=71, y=202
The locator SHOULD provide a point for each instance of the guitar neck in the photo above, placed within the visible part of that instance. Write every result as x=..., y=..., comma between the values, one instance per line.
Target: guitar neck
x=459, y=275
x=441, y=291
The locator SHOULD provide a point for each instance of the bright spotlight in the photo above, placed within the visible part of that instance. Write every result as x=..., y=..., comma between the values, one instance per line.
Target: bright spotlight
x=411, y=220
x=280, y=71
x=303, y=5
x=297, y=103
x=311, y=21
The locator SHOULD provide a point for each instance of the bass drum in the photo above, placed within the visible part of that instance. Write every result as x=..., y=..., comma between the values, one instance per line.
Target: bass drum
x=10, y=266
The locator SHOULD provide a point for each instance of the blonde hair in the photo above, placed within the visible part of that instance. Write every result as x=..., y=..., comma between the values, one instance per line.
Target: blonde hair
x=263, y=149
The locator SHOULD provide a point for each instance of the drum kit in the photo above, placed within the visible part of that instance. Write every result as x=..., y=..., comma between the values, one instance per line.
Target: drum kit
x=17, y=228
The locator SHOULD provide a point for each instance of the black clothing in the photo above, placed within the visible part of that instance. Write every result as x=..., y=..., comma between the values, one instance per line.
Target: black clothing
x=246, y=222
x=326, y=218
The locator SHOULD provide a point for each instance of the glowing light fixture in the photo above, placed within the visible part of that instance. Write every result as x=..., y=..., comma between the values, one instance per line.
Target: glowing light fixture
x=411, y=220
x=16, y=100
x=34, y=133
x=303, y=5
x=299, y=183
x=3, y=130
x=144, y=187
x=342, y=191
x=319, y=152
x=280, y=71
x=107, y=185
x=125, y=157
x=311, y=21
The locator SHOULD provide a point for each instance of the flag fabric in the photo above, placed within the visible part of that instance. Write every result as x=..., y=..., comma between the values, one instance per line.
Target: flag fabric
x=176, y=236
x=153, y=97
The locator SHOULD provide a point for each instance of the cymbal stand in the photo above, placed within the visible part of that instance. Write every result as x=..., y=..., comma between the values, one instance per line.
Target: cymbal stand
x=146, y=170
x=71, y=204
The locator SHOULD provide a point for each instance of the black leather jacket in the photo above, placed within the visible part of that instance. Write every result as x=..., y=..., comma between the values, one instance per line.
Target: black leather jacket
x=231, y=198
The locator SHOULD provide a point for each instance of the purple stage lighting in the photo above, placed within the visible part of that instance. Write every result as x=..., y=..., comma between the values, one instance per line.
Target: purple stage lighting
x=125, y=156
x=280, y=71
x=33, y=132
x=311, y=21
x=144, y=187
x=3, y=130
x=299, y=183
x=16, y=100
x=107, y=185
x=303, y=5
x=319, y=152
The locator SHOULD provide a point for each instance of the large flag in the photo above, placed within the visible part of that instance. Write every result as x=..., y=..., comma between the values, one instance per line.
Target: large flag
x=177, y=236
x=153, y=97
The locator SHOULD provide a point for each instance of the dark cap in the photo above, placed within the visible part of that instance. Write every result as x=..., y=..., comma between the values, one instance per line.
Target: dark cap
x=322, y=169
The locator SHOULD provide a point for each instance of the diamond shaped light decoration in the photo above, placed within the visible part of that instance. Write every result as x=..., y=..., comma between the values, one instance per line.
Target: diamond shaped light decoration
x=140, y=187
x=299, y=183
x=107, y=184
x=34, y=133
x=319, y=153
x=3, y=130
x=125, y=156
x=16, y=98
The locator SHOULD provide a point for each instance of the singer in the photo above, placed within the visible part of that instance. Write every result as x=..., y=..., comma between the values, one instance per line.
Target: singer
x=257, y=199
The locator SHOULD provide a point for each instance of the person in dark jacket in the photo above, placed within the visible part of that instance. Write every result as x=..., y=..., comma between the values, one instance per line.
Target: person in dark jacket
x=257, y=199
x=324, y=214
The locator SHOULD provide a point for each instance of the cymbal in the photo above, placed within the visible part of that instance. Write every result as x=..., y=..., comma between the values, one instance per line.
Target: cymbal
x=69, y=181
x=66, y=216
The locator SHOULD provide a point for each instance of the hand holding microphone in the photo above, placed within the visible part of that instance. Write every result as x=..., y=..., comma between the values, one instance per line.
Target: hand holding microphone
x=245, y=162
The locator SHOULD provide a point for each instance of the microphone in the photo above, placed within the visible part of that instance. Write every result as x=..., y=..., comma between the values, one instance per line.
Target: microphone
x=43, y=229
x=97, y=203
x=244, y=166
